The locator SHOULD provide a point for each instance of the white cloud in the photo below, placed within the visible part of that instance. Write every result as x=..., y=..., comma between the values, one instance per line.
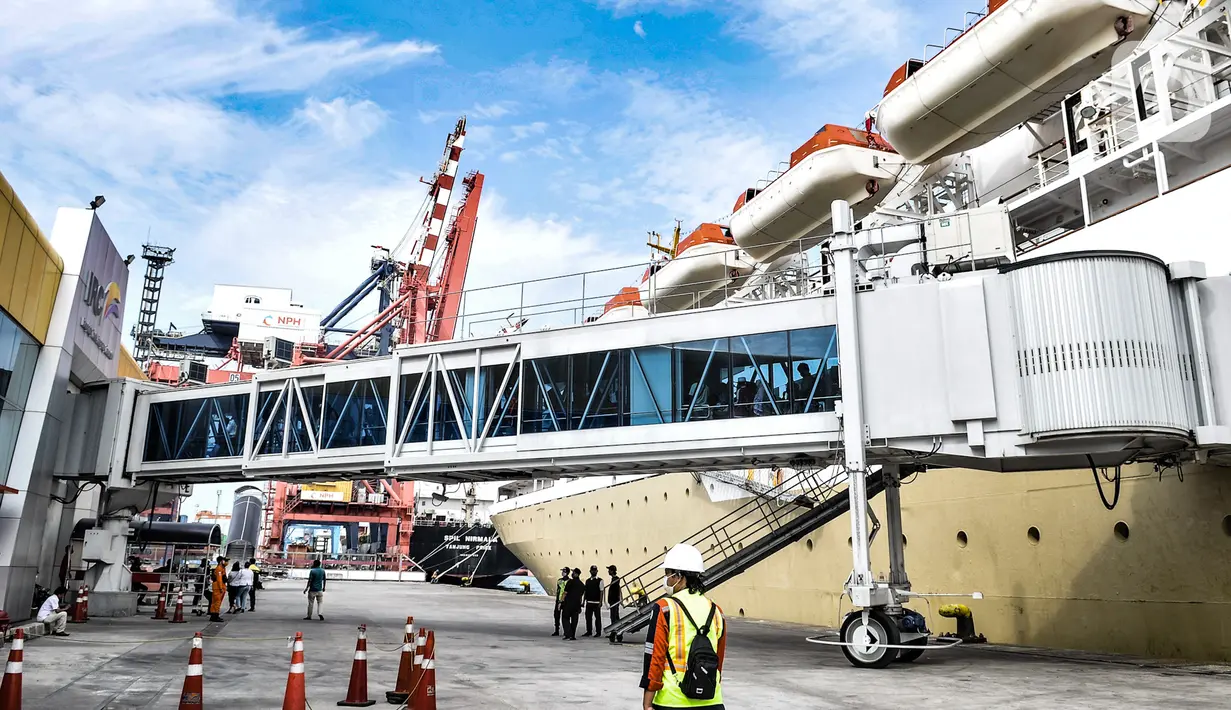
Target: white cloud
x=531, y=129
x=639, y=29
x=189, y=45
x=345, y=122
x=689, y=155
x=807, y=35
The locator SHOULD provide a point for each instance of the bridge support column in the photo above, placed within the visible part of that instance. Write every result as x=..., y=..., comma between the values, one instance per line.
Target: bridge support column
x=893, y=525
x=861, y=587
x=109, y=578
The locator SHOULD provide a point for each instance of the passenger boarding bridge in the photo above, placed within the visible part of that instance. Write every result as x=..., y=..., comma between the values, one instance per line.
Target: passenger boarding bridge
x=1068, y=361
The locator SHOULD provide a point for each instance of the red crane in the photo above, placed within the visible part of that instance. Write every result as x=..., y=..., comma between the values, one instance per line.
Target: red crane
x=430, y=281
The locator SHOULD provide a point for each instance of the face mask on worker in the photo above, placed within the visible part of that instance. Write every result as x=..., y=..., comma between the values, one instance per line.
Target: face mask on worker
x=667, y=584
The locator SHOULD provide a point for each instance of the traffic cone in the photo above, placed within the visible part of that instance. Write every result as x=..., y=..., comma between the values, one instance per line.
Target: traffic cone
x=425, y=691
x=179, y=608
x=10, y=689
x=407, y=668
x=357, y=693
x=296, y=695
x=81, y=608
x=161, y=612
x=192, y=695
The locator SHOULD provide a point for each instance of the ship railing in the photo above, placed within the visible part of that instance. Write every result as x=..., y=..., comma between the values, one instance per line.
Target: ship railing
x=754, y=520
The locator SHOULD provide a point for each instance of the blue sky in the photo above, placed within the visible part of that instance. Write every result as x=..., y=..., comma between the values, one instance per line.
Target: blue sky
x=273, y=141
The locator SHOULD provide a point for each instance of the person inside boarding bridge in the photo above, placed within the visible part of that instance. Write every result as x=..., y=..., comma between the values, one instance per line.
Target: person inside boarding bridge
x=49, y=613
x=673, y=651
x=315, y=590
x=559, y=598
x=218, y=589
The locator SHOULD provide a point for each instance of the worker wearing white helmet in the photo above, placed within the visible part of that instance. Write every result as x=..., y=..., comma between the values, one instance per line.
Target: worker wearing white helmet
x=687, y=639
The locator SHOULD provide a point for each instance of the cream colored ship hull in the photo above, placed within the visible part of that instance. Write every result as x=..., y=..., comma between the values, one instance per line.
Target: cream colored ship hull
x=1164, y=591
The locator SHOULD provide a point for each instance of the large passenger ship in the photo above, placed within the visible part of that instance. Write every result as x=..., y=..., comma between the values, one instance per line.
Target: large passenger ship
x=1044, y=127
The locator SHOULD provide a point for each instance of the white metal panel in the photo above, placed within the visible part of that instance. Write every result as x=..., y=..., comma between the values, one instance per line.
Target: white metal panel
x=1097, y=345
x=967, y=352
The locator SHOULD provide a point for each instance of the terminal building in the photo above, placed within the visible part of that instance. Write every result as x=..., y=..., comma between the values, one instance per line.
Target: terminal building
x=62, y=301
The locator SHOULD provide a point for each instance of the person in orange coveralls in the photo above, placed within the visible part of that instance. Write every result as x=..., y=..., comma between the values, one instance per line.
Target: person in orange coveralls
x=219, y=591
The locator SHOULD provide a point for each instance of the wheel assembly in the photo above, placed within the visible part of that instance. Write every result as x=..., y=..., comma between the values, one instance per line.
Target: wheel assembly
x=869, y=643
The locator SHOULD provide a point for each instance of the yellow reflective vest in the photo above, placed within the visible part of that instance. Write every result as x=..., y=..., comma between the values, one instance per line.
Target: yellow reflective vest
x=680, y=633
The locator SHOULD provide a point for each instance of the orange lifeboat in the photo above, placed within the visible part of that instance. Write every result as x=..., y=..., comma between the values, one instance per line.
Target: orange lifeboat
x=1024, y=56
x=625, y=305
x=706, y=261
x=836, y=163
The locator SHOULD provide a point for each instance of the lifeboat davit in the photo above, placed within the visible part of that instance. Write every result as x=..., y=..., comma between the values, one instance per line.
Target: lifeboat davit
x=1024, y=56
x=625, y=305
x=837, y=163
x=706, y=261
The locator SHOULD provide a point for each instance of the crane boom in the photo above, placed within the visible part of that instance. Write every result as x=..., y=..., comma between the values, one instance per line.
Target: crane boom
x=458, y=245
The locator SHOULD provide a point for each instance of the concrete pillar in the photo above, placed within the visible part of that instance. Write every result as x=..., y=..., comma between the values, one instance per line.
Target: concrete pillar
x=110, y=580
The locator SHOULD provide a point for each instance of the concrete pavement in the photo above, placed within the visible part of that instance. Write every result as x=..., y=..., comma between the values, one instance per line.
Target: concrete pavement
x=494, y=651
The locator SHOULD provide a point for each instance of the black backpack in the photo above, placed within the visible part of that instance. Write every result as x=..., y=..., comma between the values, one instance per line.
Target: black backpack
x=700, y=680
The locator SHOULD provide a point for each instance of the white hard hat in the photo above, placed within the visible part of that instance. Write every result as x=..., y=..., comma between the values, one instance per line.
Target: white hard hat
x=684, y=558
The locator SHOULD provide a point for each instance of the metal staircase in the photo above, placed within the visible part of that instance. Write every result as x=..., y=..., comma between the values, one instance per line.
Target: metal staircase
x=753, y=532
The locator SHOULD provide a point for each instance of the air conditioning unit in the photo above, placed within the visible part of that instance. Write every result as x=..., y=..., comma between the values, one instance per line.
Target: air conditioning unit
x=278, y=351
x=376, y=498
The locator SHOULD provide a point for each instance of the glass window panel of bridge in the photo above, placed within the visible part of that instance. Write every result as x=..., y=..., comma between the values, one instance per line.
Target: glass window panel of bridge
x=649, y=385
x=600, y=390
x=702, y=380
x=355, y=413
x=414, y=400
x=546, y=399
x=497, y=402
x=760, y=366
x=313, y=399
x=814, y=369
x=448, y=425
x=196, y=428
x=271, y=406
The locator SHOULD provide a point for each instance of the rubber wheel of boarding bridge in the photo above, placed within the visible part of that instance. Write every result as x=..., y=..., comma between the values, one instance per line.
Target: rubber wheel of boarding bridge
x=864, y=645
x=914, y=653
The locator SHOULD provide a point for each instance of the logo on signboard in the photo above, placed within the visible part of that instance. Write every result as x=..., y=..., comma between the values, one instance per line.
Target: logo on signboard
x=271, y=321
x=103, y=300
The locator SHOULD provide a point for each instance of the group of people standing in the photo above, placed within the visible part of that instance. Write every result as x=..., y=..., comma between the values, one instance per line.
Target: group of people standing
x=573, y=596
x=239, y=585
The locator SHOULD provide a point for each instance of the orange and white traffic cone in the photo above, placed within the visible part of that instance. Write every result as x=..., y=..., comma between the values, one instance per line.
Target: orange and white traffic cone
x=357, y=693
x=81, y=608
x=296, y=694
x=192, y=695
x=178, y=618
x=10, y=689
x=425, y=692
x=407, y=668
x=161, y=612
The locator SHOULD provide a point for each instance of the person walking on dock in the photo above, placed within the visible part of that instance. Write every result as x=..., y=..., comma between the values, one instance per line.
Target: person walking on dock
x=315, y=589
x=615, y=595
x=555, y=612
x=687, y=639
x=570, y=608
x=594, y=604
